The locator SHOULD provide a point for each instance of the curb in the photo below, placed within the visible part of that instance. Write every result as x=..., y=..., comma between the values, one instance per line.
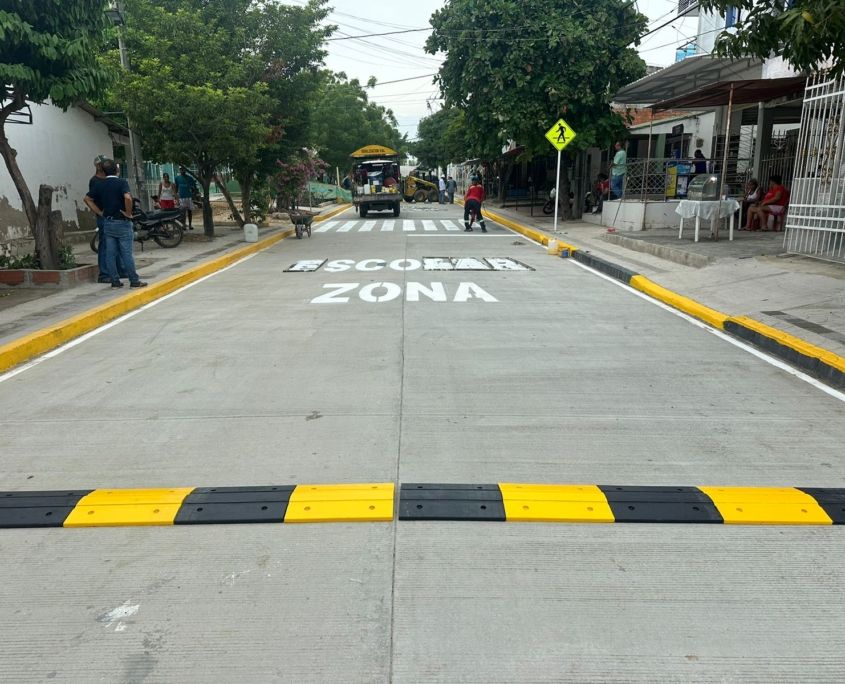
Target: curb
x=42, y=341
x=817, y=361
x=375, y=502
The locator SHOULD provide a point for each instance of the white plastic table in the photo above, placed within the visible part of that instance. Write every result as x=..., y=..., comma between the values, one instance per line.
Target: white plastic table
x=707, y=209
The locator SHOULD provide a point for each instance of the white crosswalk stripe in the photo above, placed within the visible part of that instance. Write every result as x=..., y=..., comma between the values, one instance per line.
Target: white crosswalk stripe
x=390, y=225
x=327, y=226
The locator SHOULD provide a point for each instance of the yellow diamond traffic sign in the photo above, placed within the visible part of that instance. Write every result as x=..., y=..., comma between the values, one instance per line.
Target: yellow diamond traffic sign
x=560, y=135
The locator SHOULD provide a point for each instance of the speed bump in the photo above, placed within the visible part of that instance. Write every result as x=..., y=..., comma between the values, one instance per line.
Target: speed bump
x=374, y=502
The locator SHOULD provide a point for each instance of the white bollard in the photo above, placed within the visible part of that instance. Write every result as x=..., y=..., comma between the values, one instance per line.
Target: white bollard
x=250, y=232
x=552, y=247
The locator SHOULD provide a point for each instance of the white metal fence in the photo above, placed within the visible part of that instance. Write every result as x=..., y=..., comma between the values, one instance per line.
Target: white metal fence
x=815, y=223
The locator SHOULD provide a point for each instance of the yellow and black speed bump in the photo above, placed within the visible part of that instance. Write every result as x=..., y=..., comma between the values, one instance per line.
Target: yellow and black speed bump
x=374, y=502
x=451, y=502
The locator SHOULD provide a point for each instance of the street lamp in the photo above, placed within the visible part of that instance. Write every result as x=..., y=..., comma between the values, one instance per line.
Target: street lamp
x=115, y=15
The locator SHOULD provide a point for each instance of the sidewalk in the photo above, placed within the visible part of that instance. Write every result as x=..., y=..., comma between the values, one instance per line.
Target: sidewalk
x=25, y=311
x=751, y=276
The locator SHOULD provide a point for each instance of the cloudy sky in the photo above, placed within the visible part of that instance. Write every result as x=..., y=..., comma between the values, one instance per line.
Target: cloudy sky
x=395, y=57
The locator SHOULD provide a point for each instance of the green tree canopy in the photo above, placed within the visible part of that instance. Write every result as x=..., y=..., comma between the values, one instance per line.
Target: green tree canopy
x=48, y=50
x=806, y=33
x=344, y=119
x=441, y=138
x=224, y=83
x=515, y=67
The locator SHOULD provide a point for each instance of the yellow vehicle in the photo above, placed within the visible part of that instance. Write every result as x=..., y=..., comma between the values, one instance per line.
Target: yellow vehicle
x=417, y=189
x=376, y=180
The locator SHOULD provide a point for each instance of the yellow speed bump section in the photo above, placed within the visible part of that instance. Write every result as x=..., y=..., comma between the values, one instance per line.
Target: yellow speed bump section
x=555, y=503
x=110, y=507
x=363, y=502
x=766, y=506
x=689, y=306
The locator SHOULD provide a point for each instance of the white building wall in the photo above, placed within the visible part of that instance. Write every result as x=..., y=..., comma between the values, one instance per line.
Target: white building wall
x=58, y=149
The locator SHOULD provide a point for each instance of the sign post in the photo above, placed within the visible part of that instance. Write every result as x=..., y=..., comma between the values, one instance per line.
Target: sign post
x=559, y=135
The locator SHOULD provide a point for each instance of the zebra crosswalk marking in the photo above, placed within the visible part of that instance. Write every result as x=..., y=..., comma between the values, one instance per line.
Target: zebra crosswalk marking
x=367, y=227
x=429, y=225
x=449, y=225
x=387, y=226
x=408, y=225
x=346, y=227
x=328, y=225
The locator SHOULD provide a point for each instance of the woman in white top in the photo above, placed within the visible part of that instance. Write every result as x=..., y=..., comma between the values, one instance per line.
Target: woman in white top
x=166, y=193
x=752, y=197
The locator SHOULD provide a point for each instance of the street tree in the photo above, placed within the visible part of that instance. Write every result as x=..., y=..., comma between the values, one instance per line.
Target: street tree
x=515, y=67
x=229, y=100
x=48, y=52
x=345, y=119
x=808, y=34
x=441, y=138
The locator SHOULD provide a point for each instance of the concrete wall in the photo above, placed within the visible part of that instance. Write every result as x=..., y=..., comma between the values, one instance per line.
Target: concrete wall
x=57, y=149
x=628, y=215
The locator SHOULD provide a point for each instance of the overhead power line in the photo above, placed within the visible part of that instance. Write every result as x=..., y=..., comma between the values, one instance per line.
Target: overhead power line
x=400, y=80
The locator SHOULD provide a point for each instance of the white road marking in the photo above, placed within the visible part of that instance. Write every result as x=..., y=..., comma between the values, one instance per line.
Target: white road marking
x=449, y=225
x=328, y=225
x=836, y=394
x=387, y=225
x=87, y=336
x=408, y=225
x=346, y=227
x=429, y=226
x=367, y=227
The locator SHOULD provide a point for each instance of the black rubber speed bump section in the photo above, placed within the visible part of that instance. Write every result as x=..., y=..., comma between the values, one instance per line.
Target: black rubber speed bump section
x=831, y=500
x=660, y=504
x=451, y=502
x=230, y=505
x=38, y=509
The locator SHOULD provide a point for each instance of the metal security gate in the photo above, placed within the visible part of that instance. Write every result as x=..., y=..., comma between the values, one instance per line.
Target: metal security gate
x=815, y=222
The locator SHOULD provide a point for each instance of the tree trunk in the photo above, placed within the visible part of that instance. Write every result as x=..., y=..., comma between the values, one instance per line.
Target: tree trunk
x=246, y=198
x=43, y=246
x=504, y=182
x=207, y=214
x=56, y=230
x=10, y=157
x=236, y=215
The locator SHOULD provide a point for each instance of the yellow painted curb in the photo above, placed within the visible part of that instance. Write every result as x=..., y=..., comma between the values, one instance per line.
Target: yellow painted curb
x=690, y=306
x=796, y=343
x=42, y=341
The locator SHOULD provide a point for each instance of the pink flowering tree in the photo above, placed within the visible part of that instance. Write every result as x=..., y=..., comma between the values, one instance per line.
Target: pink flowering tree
x=291, y=179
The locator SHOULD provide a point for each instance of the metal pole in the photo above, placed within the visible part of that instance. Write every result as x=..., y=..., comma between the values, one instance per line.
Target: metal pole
x=136, y=170
x=724, y=160
x=557, y=188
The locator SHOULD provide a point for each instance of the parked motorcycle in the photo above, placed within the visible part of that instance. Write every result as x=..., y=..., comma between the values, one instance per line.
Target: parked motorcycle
x=166, y=227
x=549, y=206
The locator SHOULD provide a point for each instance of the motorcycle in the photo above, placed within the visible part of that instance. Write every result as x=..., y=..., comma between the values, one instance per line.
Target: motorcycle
x=166, y=227
x=549, y=206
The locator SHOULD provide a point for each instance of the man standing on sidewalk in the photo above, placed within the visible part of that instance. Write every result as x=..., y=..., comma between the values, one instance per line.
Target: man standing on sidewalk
x=442, y=187
x=112, y=200
x=617, y=172
x=103, y=275
x=185, y=184
x=451, y=186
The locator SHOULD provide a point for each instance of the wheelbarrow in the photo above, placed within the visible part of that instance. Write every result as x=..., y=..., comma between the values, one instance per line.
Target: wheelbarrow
x=301, y=222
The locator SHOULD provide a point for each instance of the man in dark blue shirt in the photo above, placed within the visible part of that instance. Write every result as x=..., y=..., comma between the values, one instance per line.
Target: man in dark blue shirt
x=111, y=199
x=103, y=276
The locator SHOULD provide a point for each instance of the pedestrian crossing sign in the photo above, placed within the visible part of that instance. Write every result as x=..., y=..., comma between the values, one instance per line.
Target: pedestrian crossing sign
x=560, y=135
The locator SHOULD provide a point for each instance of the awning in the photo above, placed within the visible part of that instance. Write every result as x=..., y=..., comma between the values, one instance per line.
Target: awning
x=686, y=76
x=744, y=92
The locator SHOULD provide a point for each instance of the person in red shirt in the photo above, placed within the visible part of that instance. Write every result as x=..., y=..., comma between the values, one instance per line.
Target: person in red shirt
x=472, y=203
x=774, y=202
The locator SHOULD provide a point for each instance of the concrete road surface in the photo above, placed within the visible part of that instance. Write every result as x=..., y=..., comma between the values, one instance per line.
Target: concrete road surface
x=361, y=365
